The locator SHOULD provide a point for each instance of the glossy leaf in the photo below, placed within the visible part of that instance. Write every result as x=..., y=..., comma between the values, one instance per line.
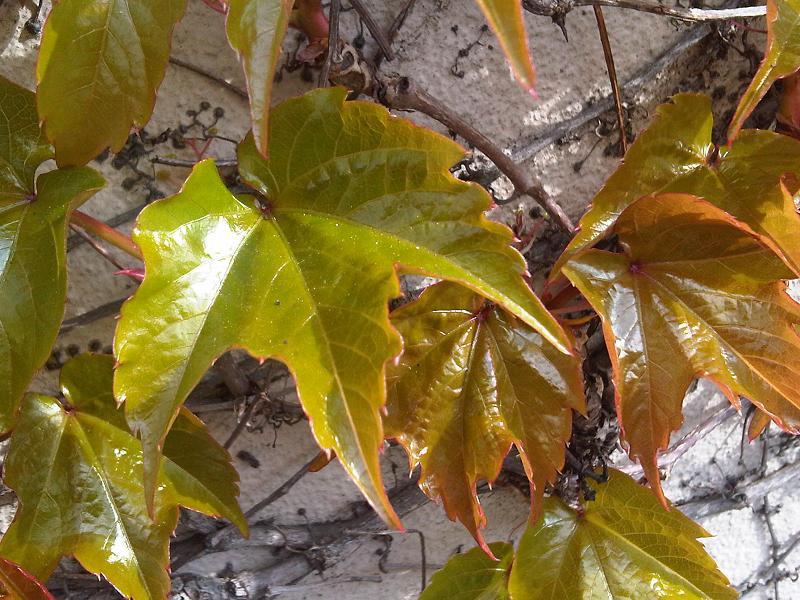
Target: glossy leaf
x=77, y=471
x=473, y=575
x=22, y=145
x=305, y=274
x=781, y=58
x=33, y=226
x=675, y=154
x=621, y=545
x=256, y=29
x=471, y=382
x=100, y=64
x=17, y=584
x=506, y=20
x=694, y=295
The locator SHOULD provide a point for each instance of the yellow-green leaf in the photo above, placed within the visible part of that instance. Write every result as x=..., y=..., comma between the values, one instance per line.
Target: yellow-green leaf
x=621, y=545
x=675, y=154
x=506, y=20
x=473, y=575
x=255, y=30
x=100, y=64
x=305, y=273
x=33, y=227
x=781, y=58
x=471, y=382
x=77, y=472
x=695, y=294
x=18, y=584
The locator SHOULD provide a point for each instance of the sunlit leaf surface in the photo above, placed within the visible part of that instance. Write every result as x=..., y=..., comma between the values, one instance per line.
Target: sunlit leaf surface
x=77, y=472
x=473, y=575
x=305, y=273
x=695, y=294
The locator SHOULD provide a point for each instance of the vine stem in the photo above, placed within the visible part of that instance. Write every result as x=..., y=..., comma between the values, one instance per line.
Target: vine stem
x=612, y=76
x=106, y=233
x=559, y=8
x=401, y=93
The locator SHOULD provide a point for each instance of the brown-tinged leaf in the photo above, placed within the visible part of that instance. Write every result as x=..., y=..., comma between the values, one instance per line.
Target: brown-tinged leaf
x=18, y=584
x=305, y=272
x=77, y=472
x=695, y=294
x=256, y=29
x=100, y=64
x=471, y=382
x=675, y=154
x=781, y=58
x=506, y=20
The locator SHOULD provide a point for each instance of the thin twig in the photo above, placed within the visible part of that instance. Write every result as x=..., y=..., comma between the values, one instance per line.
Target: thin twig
x=559, y=8
x=374, y=29
x=189, y=164
x=394, y=28
x=401, y=93
x=101, y=312
x=423, y=560
x=105, y=232
x=97, y=247
x=209, y=75
x=612, y=76
x=281, y=491
x=333, y=42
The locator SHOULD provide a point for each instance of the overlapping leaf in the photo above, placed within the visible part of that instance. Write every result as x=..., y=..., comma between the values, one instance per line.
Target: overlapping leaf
x=77, y=471
x=473, y=380
x=100, y=64
x=473, y=575
x=305, y=273
x=675, y=154
x=620, y=545
x=17, y=584
x=256, y=29
x=695, y=294
x=506, y=20
x=33, y=225
x=781, y=58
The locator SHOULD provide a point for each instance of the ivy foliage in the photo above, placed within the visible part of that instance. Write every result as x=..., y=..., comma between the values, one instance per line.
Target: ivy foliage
x=339, y=199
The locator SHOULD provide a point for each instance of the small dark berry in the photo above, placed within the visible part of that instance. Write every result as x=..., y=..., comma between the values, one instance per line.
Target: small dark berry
x=191, y=113
x=205, y=105
x=128, y=183
x=95, y=345
x=73, y=349
x=219, y=112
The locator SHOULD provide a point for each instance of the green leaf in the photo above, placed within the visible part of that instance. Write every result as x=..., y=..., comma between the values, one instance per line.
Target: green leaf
x=506, y=20
x=675, y=154
x=33, y=227
x=305, y=274
x=77, y=472
x=621, y=545
x=256, y=29
x=781, y=58
x=471, y=382
x=100, y=64
x=22, y=145
x=695, y=294
x=17, y=584
x=473, y=575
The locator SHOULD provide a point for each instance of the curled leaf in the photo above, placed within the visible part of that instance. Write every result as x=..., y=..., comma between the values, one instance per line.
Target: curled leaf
x=18, y=584
x=256, y=29
x=781, y=58
x=506, y=20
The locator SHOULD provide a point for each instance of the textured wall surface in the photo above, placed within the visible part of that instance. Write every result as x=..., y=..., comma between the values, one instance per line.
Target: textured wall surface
x=444, y=48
